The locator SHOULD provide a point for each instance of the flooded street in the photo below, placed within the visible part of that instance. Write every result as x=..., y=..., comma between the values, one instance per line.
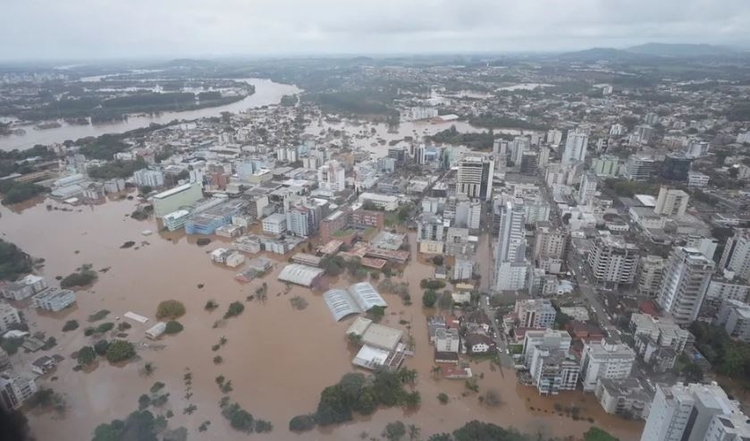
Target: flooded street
x=279, y=359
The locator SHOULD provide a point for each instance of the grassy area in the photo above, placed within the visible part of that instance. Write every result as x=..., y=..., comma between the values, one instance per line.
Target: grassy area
x=343, y=233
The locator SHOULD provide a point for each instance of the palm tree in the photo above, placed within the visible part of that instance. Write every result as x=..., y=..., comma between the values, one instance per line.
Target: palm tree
x=414, y=432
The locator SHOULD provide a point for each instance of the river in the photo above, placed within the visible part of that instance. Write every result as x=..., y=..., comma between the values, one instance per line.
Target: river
x=266, y=92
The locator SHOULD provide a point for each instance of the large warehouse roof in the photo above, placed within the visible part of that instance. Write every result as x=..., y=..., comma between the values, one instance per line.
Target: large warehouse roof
x=366, y=296
x=382, y=337
x=340, y=303
x=300, y=274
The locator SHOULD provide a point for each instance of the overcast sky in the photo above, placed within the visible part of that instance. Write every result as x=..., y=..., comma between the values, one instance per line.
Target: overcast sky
x=86, y=29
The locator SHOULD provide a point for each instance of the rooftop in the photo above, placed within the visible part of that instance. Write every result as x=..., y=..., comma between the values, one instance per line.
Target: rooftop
x=300, y=274
x=173, y=191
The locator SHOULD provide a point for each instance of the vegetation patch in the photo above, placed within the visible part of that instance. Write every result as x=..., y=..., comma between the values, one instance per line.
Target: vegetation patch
x=83, y=277
x=170, y=309
x=99, y=315
x=173, y=327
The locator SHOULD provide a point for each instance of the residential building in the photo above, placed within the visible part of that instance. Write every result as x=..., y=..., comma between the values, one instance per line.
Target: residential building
x=641, y=168
x=23, y=288
x=613, y=261
x=627, y=397
x=475, y=174
x=736, y=256
x=734, y=317
x=685, y=281
x=535, y=313
x=332, y=176
x=606, y=165
x=303, y=219
x=510, y=264
x=150, y=178
x=697, y=179
x=381, y=201
x=734, y=427
x=447, y=340
x=605, y=359
x=176, y=220
x=587, y=190
x=176, y=198
x=676, y=167
x=575, y=147
x=659, y=341
x=463, y=268
x=546, y=338
x=54, y=299
x=685, y=412
x=8, y=317
x=671, y=202
x=650, y=271
x=468, y=214
x=275, y=224
x=553, y=370
x=529, y=163
x=720, y=289
x=706, y=245
x=15, y=388
x=550, y=242
x=430, y=227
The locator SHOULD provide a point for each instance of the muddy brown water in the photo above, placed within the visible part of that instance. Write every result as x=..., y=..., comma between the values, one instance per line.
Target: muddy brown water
x=279, y=359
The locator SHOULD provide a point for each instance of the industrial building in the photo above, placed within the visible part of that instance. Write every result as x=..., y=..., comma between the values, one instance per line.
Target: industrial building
x=176, y=198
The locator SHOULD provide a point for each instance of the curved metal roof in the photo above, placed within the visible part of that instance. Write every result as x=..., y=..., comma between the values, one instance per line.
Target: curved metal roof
x=340, y=303
x=299, y=274
x=366, y=296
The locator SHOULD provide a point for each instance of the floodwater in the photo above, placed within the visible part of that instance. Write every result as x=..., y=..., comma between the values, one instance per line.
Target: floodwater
x=266, y=92
x=278, y=359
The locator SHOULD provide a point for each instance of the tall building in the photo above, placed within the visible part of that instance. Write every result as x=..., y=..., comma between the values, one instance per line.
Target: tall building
x=332, y=176
x=550, y=242
x=8, y=317
x=575, y=147
x=547, y=338
x=651, y=269
x=686, y=412
x=605, y=359
x=587, y=190
x=736, y=256
x=641, y=168
x=510, y=252
x=606, y=165
x=684, y=284
x=15, y=388
x=302, y=220
x=519, y=145
x=671, y=202
x=696, y=149
x=535, y=313
x=529, y=163
x=554, y=137
x=676, y=167
x=146, y=177
x=475, y=174
x=734, y=317
x=553, y=370
x=613, y=261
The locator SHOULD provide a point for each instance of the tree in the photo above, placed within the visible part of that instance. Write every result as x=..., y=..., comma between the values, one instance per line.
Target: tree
x=414, y=432
x=86, y=356
x=173, y=327
x=376, y=313
x=211, y=305
x=429, y=298
x=143, y=402
x=101, y=347
x=443, y=398
x=146, y=189
x=302, y=423
x=693, y=373
x=492, y=398
x=394, y=431
x=438, y=260
x=235, y=309
x=120, y=350
x=170, y=309
x=445, y=302
x=70, y=325
x=239, y=418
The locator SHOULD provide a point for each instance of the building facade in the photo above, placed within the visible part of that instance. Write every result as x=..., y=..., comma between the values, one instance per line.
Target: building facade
x=687, y=274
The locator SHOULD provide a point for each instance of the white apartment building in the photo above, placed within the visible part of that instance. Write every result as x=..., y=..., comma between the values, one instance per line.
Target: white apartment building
x=447, y=340
x=650, y=272
x=535, y=313
x=275, y=224
x=332, y=176
x=550, y=242
x=23, y=288
x=697, y=179
x=684, y=284
x=54, y=299
x=736, y=255
x=604, y=359
x=720, y=289
x=685, y=412
x=641, y=168
x=8, y=317
x=15, y=388
x=510, y=264
x=575, y=147
x=547, y=338
x=605, y=165
x=734, y=317
x=146, y=177
x=382, y=201
x=553, y=370
x=475, y=174
x=587, y=190
x=671, y=202
x=613, y=260
x=735, y=427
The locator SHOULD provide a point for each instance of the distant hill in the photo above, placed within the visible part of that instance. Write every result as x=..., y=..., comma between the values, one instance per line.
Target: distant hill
x=603, y=53
x=681, y=50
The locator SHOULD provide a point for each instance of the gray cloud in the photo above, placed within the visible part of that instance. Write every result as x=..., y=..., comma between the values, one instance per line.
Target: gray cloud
x=55, y=29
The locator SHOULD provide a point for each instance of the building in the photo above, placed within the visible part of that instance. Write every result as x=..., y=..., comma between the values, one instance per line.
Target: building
x=650, y=271
x=720, y=289
x=734, y=427
x=659, y=341
x=734, y=317
x=468, y=214
x=697, y=180
x=676, y=167
x=529, y=163
x=535, y=313
x=510, y=265
x=217, y=213
x=447, y=340
x=736, y=256
x=546, y=338
x=550, y=242
x=332, y=176
x=685, y=412
x=15, y=388
x=475, y=174
x=151, y=178
x=381, y=201
x=613, y=261
x=706, y=245
x=302, y=275
x=418, y=113
x=627, y=397
x=575, y=147
x=156, y=331
x=641, y=168
x=430, y=227
x=176, y=198
x=54, y=299
x=606, y=165
x=176, y=220
x=553, y=370
x=302, y=221
x=605, y=359
x=687, y=274
x=8, y=317
x=463, y=268
x=275, y=224
x=587, y=190
x=23, y=288
x=671, y=202
x=336, y=221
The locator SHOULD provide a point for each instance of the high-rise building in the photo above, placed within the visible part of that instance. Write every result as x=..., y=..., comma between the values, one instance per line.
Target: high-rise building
x=686, y=412
x=552, y=370
x=332, y=176
x=151, y=178
x=734, y=317
x=15, y=388
x=684, y=284
x=575, y=147
x=587, y=190
x=696, y=148
x=650, y=271
x=303, y=220
x=510, y=252
x=641, y=168
x=475, y=174
x=535, y=313
x=605, y=359
x=613, y=261
x=519, y=145
x=676, y=167
x=550, y=242
x=736, y=256
x=8, y=317
x=554, y=137
x=671, y=202
x=547, y=338
x=529, y=163
x=606, y=165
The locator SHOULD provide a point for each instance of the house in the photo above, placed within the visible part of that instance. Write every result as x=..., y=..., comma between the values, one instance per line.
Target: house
x=480, y=318
x=43, y=364
x=156, y=331
x=478, y=343
x=433, y=324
